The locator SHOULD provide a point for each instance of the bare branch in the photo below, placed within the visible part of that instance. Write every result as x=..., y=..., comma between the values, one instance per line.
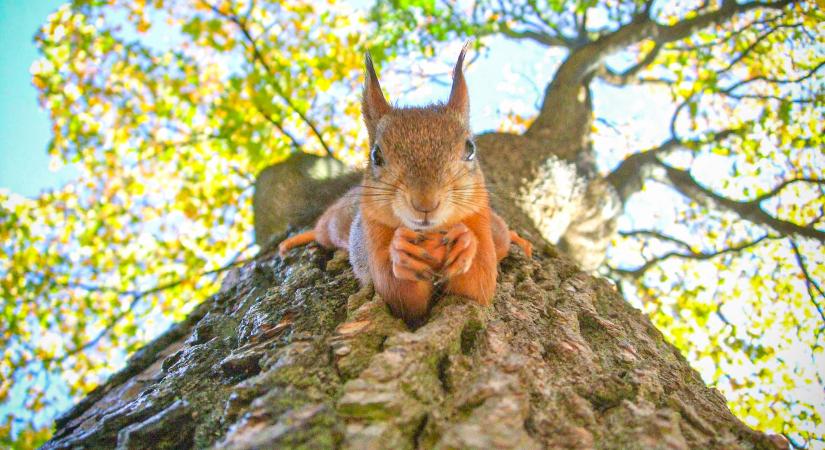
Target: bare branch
x=810, y=283
x=684, y=182
x=541, y=38
x=658, y=235
x=801, y=78
x=631, y=74
x=727, y=36
x=639, y=271
x=775, y=191
x=744, y=53
x=296, y=145
x=629, y=176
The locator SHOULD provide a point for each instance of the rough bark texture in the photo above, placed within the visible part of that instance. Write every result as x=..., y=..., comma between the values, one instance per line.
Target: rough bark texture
x=291, y=353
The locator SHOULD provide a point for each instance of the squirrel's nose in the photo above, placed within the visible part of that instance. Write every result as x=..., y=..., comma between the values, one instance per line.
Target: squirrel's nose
x=425, y=205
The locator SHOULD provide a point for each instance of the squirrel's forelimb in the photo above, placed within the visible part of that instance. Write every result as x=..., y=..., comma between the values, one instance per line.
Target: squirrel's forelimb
x=401, y=269
x=472, y=264
x=503, y=236
x=391, y=258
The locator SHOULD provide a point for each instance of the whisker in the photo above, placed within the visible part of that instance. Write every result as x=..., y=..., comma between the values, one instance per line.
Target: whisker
x=478, y=189
x=475, y=185
x=458, y=174
x=367, y=194
x=470, y=205
x=377, y=188
x=393, y=186
x=375, y=202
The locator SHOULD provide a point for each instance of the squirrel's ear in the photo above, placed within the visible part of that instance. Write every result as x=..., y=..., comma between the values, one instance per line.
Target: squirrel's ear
x=459, y=97
x=374, y=105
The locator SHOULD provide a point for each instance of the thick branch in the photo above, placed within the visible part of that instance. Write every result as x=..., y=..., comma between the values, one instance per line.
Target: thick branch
x=684, y=182
x=632, y=172
x=639, y=271
x=564, y=97
x=590, y=57
x=628, y=178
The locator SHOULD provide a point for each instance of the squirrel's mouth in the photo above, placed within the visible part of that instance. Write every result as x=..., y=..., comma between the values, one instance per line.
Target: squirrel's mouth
x=422, y=224
x=415, y=220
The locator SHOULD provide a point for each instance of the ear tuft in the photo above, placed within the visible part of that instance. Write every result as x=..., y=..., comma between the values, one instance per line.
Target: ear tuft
x=459, y=97
x=374, y=105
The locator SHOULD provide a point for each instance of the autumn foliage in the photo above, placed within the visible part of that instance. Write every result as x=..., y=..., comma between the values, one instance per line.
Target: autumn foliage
x=169, y=108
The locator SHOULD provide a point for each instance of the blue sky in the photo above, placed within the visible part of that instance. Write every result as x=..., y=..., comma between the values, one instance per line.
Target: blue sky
x=24, y=127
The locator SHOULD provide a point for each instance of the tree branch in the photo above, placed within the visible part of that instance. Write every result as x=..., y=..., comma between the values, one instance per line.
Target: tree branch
x=256, y=52
x=643, y=28
x=773, y=192
x=630, y=75
x=541, y=38
x=630, y=175
x=639, y=271
x=658, y=235
x=730, y=8
x=804, y=77
x=297, y=146
x=137, y=296
x=744, y=53
x=810, y=283
x=585, y=61
x=752, y=210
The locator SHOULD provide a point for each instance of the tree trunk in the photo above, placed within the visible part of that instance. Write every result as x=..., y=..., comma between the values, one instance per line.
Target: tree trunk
x=291, y=353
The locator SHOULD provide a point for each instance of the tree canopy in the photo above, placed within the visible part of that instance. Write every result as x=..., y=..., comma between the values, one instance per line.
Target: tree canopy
x=720, y=241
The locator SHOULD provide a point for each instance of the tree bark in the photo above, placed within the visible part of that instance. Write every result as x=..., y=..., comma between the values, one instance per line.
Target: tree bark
x=292, y=353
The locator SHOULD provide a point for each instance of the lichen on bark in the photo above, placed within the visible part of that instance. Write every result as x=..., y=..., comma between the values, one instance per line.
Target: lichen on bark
x=293, y=354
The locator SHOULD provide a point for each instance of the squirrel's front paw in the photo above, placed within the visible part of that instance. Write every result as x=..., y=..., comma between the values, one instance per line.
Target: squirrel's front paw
x=410, y=259
x=462, y=246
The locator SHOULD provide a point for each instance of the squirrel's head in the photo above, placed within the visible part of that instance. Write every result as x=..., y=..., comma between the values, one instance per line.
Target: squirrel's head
x=423, y=169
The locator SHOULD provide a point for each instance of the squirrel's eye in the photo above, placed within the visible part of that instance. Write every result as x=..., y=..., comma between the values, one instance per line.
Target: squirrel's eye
x=469, y=150
x=376, y=156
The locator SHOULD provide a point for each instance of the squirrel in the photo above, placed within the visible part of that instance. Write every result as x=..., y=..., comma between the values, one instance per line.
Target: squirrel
x=421, y=218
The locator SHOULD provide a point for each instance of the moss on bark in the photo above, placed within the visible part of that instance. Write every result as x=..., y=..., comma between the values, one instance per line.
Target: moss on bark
x=293, y=354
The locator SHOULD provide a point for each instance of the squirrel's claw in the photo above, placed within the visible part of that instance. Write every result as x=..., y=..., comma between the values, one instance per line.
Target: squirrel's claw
x=409, y=260
x=525, y=245
x=454, y=233
x=405, y=267
x=404, y=246
x=462, y=251
x=295, y=241
x=408, y=234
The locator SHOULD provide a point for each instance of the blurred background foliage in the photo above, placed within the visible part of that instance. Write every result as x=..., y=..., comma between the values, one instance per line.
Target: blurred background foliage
x=169, y=108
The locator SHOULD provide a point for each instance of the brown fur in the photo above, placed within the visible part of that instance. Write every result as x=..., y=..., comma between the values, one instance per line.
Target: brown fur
x=422, y=182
